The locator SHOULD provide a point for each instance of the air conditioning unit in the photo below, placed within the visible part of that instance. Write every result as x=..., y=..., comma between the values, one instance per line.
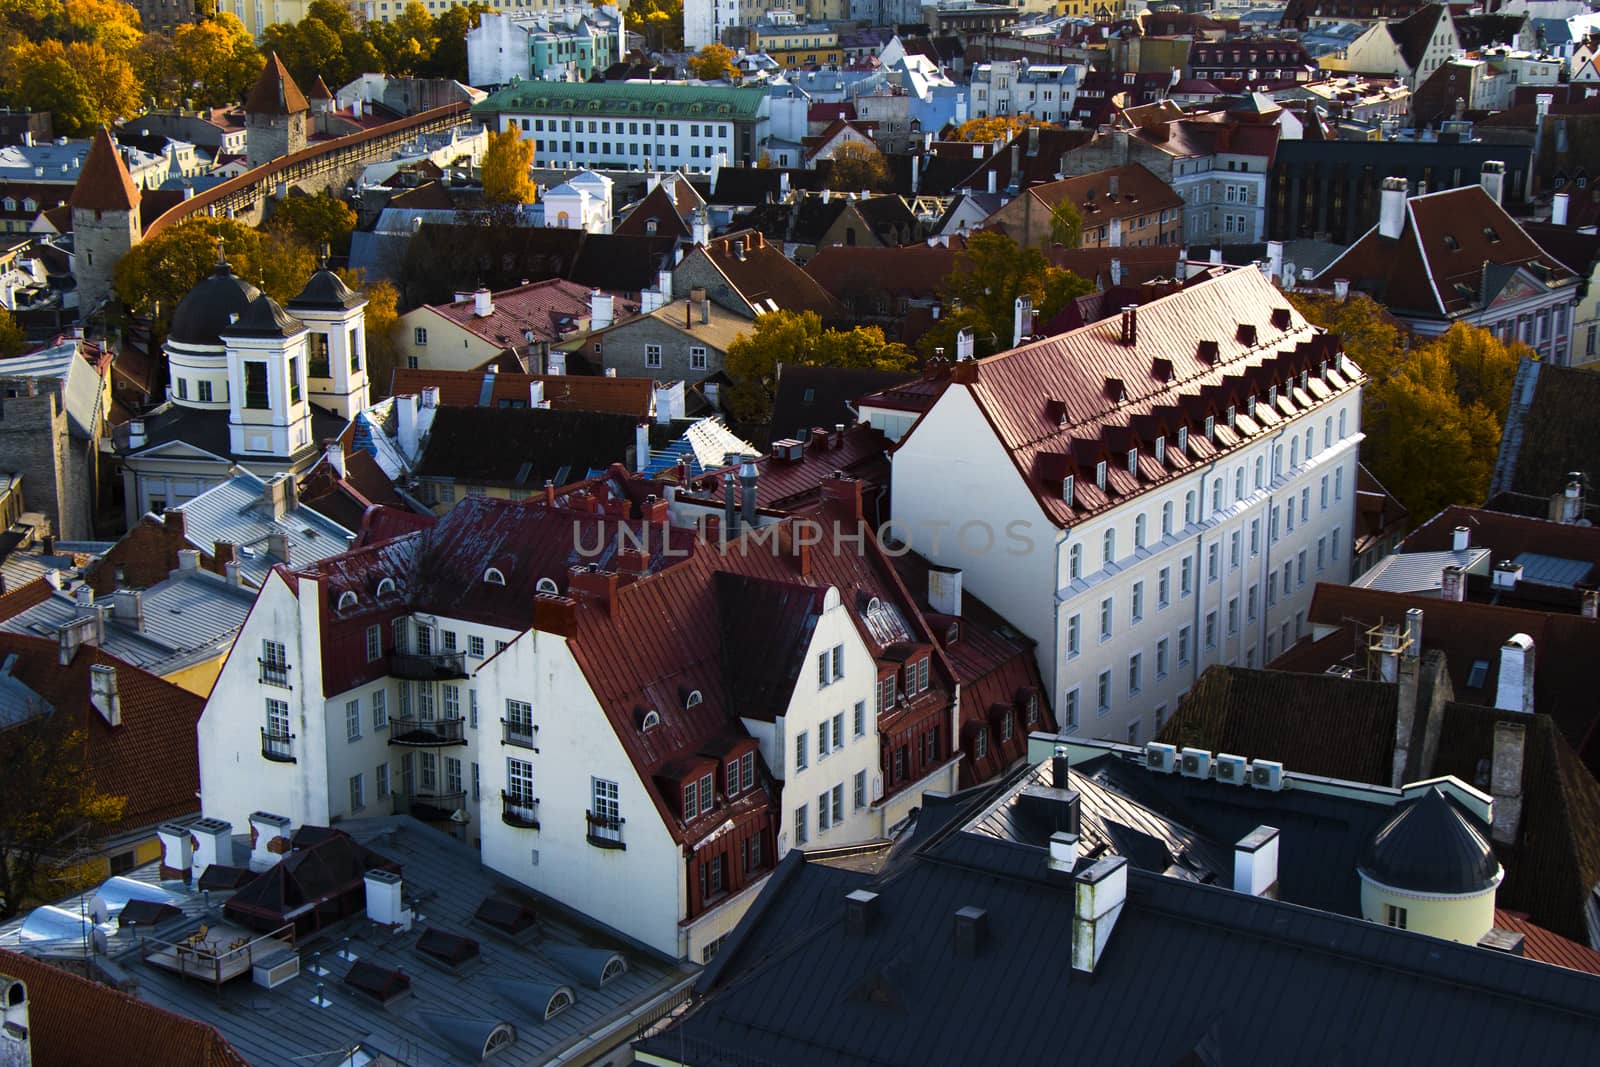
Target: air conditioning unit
x=1232, y=769
x=1161, y=757
x=272, y=971
x=1196, y=763
x=1266, y=774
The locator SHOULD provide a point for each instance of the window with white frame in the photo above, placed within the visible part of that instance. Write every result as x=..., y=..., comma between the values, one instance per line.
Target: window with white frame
x=358, y=792
x=352, y=719
x=802, y=829
x=475, y=646
x=374, y=643
x=452, y=701
x=1069, y=711
x=1184, y=641
x=1073, y=625
x=380, y=709
x=697, y=358
x=1161, y=658
x=1106, y=608
x=519, y=783
x=861, y=718
x=802, y=750
x=278, y=720
x=1103, y=694
x=1136, y=612
x=380, y=780
x=1135, y=673
x=652, y=356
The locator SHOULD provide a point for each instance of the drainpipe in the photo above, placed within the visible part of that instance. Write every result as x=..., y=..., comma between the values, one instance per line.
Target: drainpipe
x=1267, y=566
x=1056, y=650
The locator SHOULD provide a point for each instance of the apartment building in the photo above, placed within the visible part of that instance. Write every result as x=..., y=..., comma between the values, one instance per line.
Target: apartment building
x=1144, y=498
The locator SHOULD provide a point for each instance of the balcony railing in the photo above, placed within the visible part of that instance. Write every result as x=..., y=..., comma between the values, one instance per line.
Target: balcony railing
x=519, y=811
x=429, y=806
x=423, y=733
x=428, y=668
x=276, y=746
x=520, y=734
x=605, y=831
x=274, y=674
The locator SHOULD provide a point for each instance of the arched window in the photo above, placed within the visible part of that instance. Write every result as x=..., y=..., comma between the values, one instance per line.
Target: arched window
x=386, y=586
x=693, y=699
x=502, y=1036
x=493, y=576
x=615, y=967
x=560, y=1001
x=547, y=585
x=347, y=600
x=651, y=720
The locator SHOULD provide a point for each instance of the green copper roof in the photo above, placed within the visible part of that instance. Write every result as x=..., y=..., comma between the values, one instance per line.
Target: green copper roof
x=624, y=98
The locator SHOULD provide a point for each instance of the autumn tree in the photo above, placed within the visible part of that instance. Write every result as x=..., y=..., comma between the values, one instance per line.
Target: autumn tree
x=994, y=127
x=661, y=22
x=382, y=319
x=797, y=338
x=506, y=163
x=315, y=221
x=49, y=804
x=981, y=293
x=856, y=166
x=155, y=274
x=80, y=83
x=12, y=339
x=1066, y=224
x=712, y=63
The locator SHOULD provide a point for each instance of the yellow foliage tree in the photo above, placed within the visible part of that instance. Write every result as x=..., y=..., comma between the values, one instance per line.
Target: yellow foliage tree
x=712, y=63
x=995, y=127
x=855, y=166
x=81, y=83
x=798, y=338
x=382, y=320
x=506, y=163
x=12, y=339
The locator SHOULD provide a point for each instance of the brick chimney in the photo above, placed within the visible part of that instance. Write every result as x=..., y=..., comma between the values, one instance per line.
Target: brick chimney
x=554, y=614
x=1505, y=780
x=841, y=497
x=592, y=585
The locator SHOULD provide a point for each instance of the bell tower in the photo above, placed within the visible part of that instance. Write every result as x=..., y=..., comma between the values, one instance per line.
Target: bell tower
x=335, y=315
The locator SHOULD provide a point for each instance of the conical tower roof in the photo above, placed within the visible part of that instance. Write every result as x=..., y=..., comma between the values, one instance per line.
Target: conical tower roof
x=1431, y=846
x=319, y=90
x=104, y=184
x=275, y=92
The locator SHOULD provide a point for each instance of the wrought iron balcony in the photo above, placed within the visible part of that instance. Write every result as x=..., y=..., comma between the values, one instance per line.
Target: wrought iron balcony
x=605, y=831
x=429, y=806
x=274, y=674
x=431, y=668
x=276, y=746
x=425, y=733
x=519, y=811
x=521, y=734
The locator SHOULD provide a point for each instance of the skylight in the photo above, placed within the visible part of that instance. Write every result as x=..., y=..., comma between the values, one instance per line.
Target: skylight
x=1479, y=674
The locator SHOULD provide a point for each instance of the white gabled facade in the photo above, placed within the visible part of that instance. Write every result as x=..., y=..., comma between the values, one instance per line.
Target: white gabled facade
x=1215, y=564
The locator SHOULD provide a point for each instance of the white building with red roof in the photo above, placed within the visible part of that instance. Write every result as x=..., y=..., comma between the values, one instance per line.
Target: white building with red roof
x=528, y=321
x=1144, y=498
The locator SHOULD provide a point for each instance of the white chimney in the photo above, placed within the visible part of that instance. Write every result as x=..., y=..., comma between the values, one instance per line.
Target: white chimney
x=1505, y=780
x=1255, y=863
x=384, y=901
x=994, y=181
x=188, y=559
x=103, y=693
x=1063, y=852
x=405, y=409
x=1558, y=209
x=213, y=844
x=1453, y=586
x=334, y=454
x=1102, y=890
x=428, y=396
x=1460, y=539
x=1116, y=272
x=1507, y=574
x=482, y=303
x=1515, y=689
x=536, y=394
x=1022, y=320
x=1275, y=261
x=269, y=839
x=1341, y=289
x=555, y=363
x=1392, y=208
x=1216, y=257
x=600, y=309
x=699, y=227
x=1493, y=179
x=83, y=596
x=177, y=851
x=944, y=590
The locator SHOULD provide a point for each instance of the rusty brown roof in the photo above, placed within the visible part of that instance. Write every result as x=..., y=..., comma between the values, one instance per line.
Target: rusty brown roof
x=104, y=184
x=275, y=92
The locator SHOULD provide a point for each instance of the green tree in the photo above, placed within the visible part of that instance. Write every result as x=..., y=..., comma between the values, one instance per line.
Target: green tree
x=49, y=803
x=981, y=293
x=506, y=163
x=315, y=221
x=1066, y=225
x=855, y=166
x=156, y=274
x=449, y=57
x=798, y=338
x=712, y=63
x=12, y=339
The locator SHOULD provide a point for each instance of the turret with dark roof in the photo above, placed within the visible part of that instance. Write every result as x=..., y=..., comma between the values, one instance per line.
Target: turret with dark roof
x=275, y=92
x=105, y=219
x=1432, y=846
x=275, y=115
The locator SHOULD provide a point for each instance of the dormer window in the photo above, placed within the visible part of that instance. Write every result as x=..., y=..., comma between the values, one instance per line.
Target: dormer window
x=693, y=699
x=1272, y=399
x=1032, y=709
x=347, y=600
x=1100, y=474
x=980, y=743
x=1133, y=461
x=651, y=720
x=1451, y=243
x=739, y=775
x=1183, y=439
x=493, y=576
x=386, y=586
x=699, y=796
x=1249, y=409
x=1161, y=450
x=543, y=585
x=1211, y=427
x=1067, y=490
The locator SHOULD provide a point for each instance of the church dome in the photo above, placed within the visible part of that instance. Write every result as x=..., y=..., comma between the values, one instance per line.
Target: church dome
x=1431, y=846
x=207, y=309
x=264, y=318
x=326, y=292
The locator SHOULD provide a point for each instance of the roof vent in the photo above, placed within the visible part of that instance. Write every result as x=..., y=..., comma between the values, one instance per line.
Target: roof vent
x=1281, y=318
x=971, y=931
x=860, y=912
x=1114, y=390
x=1246, y=334
x=1206, y=351
x=1161, y=369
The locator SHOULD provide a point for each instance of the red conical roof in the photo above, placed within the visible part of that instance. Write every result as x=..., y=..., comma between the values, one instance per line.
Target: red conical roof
x=275, y=92
x=320, y=90
x=104, y=183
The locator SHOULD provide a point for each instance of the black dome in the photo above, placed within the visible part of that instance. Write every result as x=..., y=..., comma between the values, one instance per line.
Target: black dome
x=264, y=318
x=206, y=310
x=326, y=292
x=1431, y=846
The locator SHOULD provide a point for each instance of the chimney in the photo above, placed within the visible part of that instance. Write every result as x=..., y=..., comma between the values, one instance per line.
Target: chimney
x=269, y=839
x=1591, y=603
x=748, y=475
x=697, y=297
x=916, y=173
x=103, y=693
x=994, y=181
x=738, y=251
x=1505, y=780
x=1407, y=691
x=177, y=851
x=278, y=546
x=1515, y=690
x=591, y=584
x=971, y=930
x=482, y=303
x=944, y=590
x=1460, y=539
x=860, y=912
x=1255, y=863
x=188, y=559
x=730, y=506
x=1063, y=853
x=1130, y=324
x=1507, y=574
x=1022, y=320
x=175, y=521
x=1389, y=653
x=1558, y=209
x=83, y=597
x=213, y=844
x=841, y=496
x=1216, y=257
x=405, y=408
x=1567, y=505
x=428, y=396
x=279, y=495
x=127, y=605
x=1101, y=892
x=385, y=899
x=1116, y=272
x=1493, y=179
x=1275, y=260
x=600, y=309
x=1392, y=209
x=1341, y=289
x=699, y=228
x=334, y=454
x=1454, y=584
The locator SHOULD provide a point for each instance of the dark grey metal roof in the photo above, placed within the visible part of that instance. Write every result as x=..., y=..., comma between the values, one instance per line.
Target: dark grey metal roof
x=326, y=292
x=264, y=318
x=1432, y=846
x=208, y=308
x=1191, y=974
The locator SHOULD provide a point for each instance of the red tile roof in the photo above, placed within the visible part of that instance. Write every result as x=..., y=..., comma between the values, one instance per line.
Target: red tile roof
x=104, y=184
x=1444, y=261
x=565, y=392
x=151, y=758
x=1546, y=947
x=795, y=486
x=1061, y=405
x=552, y=309
x=30, y=594
x=917, y=272
x=275, y=92
x=1138, y=192
x=762, y=272
x=73, y=1021
x=669, y=204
